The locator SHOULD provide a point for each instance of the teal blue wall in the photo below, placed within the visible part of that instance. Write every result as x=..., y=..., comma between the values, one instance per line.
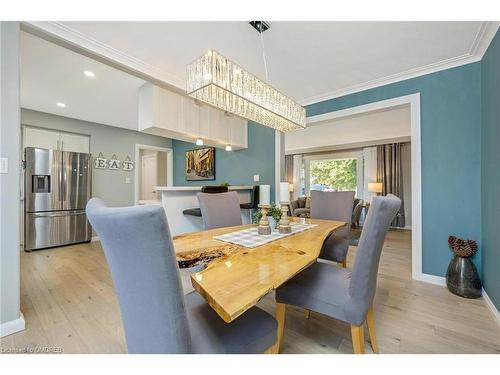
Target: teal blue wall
x=451, y=158
x=490, y=169
x=235, y=167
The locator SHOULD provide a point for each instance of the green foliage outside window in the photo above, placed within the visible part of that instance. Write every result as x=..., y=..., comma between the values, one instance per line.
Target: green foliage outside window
x=337, y=174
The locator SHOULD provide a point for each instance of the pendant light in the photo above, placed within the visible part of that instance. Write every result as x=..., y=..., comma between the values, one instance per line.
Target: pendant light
x=228, y=146
x=216, y=80
x=199, y=141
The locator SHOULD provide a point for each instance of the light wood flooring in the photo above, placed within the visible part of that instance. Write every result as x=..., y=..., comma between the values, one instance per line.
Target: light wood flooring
x=68, y=301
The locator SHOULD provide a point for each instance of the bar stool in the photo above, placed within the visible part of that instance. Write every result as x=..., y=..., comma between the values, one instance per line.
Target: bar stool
x=205, y=189
x=254, y=202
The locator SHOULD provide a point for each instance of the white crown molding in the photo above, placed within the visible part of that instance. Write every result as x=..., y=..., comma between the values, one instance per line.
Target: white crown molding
x=482, y=40
x=93, y=46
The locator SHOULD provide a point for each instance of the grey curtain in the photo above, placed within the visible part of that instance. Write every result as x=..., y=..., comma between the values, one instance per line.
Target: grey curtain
x=390, y=173
x=289, y=168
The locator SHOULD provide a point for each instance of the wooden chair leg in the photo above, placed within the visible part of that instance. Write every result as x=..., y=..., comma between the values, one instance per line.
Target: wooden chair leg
x=307, y=313
x=280, y=318
x=370, y=322
x=358, y=339
x=271, y=350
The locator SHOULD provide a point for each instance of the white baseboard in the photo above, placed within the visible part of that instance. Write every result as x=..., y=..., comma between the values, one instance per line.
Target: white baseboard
x=95, y=238
x=13, y=326
x=431, y=279
x=494, y=310
x=439, y=280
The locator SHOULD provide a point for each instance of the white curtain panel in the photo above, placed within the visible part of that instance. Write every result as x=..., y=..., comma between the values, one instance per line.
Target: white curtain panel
x=297, y=166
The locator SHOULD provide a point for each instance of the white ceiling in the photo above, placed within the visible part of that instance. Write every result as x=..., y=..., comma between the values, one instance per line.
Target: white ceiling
x=308, y=61
x=51, y=74
x=354, y=130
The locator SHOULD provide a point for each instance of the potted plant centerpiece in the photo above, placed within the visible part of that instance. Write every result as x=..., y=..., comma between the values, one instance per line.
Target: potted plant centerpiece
x=273, y=215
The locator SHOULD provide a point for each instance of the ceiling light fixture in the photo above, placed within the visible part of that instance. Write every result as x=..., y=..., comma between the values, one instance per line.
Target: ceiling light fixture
x=88, y=73
x=216, y=80
x=61, y=105
x=229, y=137
x=199, y=141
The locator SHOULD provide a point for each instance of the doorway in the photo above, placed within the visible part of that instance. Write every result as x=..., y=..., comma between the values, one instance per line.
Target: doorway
x=153, y=168
x=413, y=100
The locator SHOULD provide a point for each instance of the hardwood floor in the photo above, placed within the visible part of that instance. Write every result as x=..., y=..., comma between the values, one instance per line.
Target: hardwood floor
x=68, y=302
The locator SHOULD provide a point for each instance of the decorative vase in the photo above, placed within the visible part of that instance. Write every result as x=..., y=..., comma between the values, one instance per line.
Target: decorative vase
x=272, y=222
x=462, y=278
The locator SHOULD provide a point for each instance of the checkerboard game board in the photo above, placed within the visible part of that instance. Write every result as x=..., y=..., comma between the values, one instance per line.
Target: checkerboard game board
x=250, y=238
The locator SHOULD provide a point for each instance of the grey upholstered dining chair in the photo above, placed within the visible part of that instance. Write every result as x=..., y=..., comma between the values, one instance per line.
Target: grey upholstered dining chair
x=212, y=189
x=334, y=205
x=157, y=317
x=356, y=213
x=220, y=210
x=339, y=293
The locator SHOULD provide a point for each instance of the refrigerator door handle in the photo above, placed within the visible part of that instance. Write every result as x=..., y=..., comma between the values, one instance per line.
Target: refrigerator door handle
x=56, y=228
x=57, y=214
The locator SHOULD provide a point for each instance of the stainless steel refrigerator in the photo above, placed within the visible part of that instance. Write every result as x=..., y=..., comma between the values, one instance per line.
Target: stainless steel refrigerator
x=57, y=188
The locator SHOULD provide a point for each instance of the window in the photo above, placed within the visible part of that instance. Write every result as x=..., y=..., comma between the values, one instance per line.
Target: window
x=333, y=175
x=341, y=171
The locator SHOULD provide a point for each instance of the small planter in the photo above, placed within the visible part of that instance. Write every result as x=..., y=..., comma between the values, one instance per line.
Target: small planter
x=274, y=216
x=462, y=277
x=272, y=223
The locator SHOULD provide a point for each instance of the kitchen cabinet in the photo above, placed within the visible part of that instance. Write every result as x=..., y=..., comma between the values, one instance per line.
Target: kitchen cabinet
x=42, y=138
x=238, y=135
x=55, y=140
x=195, y=119
x=218, y=125
x=74, y=142
x=168, y=114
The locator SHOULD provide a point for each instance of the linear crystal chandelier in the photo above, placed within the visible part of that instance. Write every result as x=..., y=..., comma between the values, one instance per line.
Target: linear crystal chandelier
x=216, y=80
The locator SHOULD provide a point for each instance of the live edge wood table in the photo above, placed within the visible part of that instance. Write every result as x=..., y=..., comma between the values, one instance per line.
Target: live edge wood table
x=237, y=277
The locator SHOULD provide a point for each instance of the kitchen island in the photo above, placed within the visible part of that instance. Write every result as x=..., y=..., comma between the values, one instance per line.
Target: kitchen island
x=176, y=199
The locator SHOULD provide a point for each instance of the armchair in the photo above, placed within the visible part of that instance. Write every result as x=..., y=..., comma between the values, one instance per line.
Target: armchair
x=301, y=207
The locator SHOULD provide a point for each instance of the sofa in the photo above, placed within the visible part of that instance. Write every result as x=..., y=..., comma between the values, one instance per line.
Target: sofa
x=301, y=207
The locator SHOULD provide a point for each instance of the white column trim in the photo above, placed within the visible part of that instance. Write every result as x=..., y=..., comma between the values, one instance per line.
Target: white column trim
x=277, y=164
x=416, y=188
x=13, y=326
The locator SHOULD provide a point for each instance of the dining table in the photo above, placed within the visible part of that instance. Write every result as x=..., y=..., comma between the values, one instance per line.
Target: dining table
x=233, y=278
